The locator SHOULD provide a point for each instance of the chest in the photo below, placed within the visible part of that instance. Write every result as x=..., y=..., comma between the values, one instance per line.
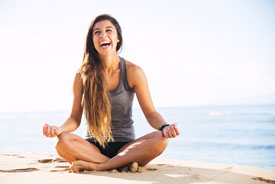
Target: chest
x=112, y=80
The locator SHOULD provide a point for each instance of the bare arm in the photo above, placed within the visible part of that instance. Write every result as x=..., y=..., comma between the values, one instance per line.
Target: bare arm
x=73, y=122
x=138, y=81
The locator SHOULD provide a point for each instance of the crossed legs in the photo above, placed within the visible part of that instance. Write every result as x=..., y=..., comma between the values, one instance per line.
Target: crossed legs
x=84, y=155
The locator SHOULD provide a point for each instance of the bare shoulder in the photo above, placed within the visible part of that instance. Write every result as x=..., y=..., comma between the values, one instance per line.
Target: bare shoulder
x=78, y=76
x=135, y=74
x=131, y=67
x=77, y=80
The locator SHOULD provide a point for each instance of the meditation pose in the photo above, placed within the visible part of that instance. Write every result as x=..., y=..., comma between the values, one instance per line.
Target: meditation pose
x=104, y=87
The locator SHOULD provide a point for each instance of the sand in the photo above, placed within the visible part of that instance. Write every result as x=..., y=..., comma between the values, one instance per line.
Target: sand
x=26, y=168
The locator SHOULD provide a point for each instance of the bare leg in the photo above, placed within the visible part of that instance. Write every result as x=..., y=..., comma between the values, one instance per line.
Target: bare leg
x=142, y=150
x=72, y=147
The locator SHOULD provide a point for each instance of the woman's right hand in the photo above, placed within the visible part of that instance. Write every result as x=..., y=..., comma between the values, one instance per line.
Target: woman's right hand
x=51, y=131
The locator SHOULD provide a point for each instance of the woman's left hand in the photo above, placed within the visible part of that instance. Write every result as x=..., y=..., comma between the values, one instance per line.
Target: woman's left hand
x=171, y=131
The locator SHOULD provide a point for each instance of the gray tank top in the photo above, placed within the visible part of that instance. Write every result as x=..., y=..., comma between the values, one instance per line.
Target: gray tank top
x=121, y=100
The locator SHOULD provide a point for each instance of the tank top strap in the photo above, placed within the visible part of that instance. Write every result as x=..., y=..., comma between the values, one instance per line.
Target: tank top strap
x=123, y=75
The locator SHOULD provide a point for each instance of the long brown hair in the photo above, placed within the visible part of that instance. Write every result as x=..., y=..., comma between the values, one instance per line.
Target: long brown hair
x=95, y=94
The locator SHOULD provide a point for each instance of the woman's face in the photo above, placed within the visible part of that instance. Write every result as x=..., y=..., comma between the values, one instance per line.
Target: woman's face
x=105, y=37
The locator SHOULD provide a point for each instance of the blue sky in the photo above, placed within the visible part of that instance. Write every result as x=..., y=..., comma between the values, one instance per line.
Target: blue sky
x=212, y=52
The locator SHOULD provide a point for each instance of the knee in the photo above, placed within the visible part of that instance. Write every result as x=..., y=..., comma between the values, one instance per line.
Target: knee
x=63, y=140
x=162, y=140
x=160, y=143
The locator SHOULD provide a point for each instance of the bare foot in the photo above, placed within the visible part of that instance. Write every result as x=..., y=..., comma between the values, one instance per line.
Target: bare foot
x=133, y=167
x=79, y=165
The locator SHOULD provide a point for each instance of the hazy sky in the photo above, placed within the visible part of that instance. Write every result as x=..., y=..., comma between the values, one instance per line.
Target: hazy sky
x=193, y=52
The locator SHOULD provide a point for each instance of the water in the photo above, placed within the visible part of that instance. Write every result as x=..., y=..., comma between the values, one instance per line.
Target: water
x=240, y=135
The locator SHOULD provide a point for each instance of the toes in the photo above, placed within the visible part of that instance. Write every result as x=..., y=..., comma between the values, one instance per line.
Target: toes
x=134, y=167
x=75, y=167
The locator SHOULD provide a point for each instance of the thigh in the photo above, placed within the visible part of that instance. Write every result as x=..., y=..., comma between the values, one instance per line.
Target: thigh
x=141, y=139
x=75, y=147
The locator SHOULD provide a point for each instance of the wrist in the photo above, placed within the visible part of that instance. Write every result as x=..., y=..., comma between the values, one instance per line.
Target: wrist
x=60, y=130
x=163, y=126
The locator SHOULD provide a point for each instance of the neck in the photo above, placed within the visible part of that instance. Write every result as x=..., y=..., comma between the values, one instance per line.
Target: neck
x=110, y=62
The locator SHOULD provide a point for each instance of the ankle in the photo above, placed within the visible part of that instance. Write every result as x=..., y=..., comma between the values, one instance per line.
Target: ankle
x=99, y=167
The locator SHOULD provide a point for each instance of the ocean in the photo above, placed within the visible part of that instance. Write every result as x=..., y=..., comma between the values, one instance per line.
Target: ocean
x=239, y=135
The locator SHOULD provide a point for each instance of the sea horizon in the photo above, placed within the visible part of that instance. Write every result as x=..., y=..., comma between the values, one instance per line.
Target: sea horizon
x=234, y=134
x=157, y=107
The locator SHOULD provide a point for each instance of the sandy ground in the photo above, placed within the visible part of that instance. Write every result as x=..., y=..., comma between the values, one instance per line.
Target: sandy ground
x=26, y=168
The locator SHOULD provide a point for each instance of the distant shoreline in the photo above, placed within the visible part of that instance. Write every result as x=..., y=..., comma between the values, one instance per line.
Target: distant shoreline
x=208, y=134
x=160, y=107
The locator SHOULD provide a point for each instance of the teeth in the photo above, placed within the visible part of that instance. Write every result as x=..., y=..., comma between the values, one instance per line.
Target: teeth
x=105, y=42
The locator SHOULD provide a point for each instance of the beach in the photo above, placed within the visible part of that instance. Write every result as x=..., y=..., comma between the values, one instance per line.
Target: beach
x=219, y=145
x=42, y=168
x=238, y=135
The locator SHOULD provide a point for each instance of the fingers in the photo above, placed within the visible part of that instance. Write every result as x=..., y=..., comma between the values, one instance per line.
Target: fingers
x=171, y=131
x=53, y=131
x=45, y=129
x=168, y=132
x=165, y=132
x=57, y=131
x=176, y=129
x=50, y=131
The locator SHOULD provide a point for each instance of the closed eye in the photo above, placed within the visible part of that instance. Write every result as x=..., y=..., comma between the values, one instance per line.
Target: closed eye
x=97, y=32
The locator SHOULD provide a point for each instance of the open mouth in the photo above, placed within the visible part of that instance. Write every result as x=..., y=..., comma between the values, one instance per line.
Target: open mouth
x=105, y=44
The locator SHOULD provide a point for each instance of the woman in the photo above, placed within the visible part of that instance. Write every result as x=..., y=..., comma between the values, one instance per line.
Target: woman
x=105, y=86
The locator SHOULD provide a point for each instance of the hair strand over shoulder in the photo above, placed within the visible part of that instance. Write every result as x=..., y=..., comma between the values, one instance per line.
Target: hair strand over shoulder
x=95, y=94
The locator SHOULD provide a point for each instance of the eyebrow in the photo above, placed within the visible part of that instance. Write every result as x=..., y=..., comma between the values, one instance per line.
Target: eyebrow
x=106, y=27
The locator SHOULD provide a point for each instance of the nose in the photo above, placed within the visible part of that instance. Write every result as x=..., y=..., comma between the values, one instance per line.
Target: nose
x=103, y=34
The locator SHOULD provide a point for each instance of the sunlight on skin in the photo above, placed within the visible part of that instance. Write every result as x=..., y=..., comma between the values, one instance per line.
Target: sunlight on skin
x=127, y=149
